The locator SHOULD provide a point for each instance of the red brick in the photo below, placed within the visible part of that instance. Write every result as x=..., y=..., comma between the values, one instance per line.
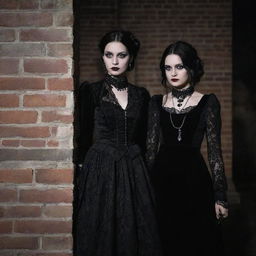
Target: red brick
x=45, y=66
x=16, y=175
x=8, y=195
x=64, y=19
x=48, y=35
x=18, y=117
x=5, y=227
x=60, y=84
x=24, y=49
x=9, y=100
x=26, y=19
x=60, y=50
x=58, y=211
x=54, y=116
x=22, y=211
x=46, y=196
x=28, y=132
x=57, y=243
x=7, y=35
x=18, y=242
x=11, y=143
x=24, y=83
x=53, y=176
x=45, y=100
x=10, y=4
x=32, y=143
x=9, y=66
x=29, y=4
x=42, y=227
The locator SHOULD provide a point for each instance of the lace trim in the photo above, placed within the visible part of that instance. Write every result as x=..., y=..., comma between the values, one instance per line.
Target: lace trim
x=173, y=110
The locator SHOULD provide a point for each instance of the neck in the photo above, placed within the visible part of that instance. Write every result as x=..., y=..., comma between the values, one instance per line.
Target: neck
x=182, y=93
x=119, y=82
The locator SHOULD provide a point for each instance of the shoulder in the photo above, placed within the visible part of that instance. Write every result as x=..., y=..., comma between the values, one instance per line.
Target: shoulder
x=90, y=87
x=213, y=100
x=87, y=89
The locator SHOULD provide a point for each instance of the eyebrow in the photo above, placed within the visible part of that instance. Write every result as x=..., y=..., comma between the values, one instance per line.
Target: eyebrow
x=124, y=52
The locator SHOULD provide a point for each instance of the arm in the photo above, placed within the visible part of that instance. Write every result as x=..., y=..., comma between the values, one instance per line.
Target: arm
x=153, y=133
x=85, y=120
x=213, y=135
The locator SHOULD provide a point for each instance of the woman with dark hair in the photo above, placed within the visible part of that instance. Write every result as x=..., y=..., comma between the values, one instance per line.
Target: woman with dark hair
x=115, y=206
x=190, y=202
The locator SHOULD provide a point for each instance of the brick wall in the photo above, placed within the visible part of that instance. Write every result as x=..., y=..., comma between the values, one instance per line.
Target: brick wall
x=36, y=118
x=205, y=24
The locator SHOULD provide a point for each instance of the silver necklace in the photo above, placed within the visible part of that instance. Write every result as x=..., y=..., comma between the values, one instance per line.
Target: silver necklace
x=179, y=138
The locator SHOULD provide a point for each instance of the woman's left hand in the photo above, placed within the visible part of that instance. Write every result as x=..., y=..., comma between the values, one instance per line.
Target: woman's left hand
x=221, y=212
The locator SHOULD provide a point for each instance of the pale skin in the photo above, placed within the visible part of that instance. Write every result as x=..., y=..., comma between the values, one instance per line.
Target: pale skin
x=116, y=59
x=177, y=76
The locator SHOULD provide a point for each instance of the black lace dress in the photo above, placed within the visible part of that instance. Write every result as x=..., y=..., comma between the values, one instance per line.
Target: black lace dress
x=115, y=211
x=185, y=191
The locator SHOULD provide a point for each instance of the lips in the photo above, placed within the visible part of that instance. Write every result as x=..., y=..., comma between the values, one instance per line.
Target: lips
x=174, y=80
x=115, y=68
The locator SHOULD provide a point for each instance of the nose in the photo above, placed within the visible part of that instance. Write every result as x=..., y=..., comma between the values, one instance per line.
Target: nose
x=115, y=60
x=174, y=73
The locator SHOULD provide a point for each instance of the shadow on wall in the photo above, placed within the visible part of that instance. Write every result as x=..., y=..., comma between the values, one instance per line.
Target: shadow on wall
x=240, y=228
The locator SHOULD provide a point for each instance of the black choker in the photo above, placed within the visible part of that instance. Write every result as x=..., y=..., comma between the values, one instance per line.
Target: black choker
x=119, y=82
x=182, y=94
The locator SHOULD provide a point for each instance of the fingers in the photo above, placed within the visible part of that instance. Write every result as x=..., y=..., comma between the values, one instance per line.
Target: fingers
x=221, y=212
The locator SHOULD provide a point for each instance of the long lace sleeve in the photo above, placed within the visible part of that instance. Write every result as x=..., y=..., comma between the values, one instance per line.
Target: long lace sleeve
x=85, y=120
x=213, y=135
x=153, y=133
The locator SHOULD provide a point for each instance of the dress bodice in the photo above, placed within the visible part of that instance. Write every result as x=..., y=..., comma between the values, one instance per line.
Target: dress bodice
x=201, y=120
x=103, y=119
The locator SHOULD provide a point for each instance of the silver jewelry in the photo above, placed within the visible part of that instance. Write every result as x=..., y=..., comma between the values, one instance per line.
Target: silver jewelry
x=179, y=138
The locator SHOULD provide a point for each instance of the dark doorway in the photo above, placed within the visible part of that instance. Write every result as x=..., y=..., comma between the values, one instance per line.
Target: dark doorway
x=241, y=227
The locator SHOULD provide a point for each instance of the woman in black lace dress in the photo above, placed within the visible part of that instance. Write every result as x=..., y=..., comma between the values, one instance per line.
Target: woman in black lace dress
x=115, y=208
x=190, y=201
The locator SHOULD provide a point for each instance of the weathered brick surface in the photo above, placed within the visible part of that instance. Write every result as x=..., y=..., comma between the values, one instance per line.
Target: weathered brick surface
x=21, y=83
x=36, y=101
x=42, y=226
x=58, y=211
x=46, y=196
x=18, y=242
x=51, y=176
x=15, y=176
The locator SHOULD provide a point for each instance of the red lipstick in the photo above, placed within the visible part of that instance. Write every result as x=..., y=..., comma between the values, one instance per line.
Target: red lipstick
x=174, y=79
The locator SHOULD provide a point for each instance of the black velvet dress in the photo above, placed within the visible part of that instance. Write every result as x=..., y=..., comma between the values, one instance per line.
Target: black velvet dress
x=116, y=211
x=185, y=191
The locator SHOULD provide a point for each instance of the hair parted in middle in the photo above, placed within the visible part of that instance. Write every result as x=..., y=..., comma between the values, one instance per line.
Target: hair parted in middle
x=190, y=60
x=125, y=37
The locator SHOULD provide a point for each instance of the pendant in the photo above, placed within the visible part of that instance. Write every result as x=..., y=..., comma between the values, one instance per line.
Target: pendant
x=179, y=105
x=179, y=135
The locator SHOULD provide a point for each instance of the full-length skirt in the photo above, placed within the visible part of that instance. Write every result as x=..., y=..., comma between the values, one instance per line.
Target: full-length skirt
x=116, y=211
x=185, y=200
